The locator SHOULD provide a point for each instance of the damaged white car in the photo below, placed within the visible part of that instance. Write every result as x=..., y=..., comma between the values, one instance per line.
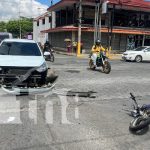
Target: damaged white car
x=23, y=69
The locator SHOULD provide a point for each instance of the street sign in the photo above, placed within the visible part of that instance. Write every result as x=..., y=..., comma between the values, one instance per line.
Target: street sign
x=104, y=7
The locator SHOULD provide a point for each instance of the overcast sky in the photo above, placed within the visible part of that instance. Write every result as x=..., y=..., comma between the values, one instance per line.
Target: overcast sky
x=10, y=9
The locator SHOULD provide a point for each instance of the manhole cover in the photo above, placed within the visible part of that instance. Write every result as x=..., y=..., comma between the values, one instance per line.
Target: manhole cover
x=73, y=71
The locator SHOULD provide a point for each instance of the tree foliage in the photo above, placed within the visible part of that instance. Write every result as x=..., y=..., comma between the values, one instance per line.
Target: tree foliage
x=14, y=26
x=2, y=26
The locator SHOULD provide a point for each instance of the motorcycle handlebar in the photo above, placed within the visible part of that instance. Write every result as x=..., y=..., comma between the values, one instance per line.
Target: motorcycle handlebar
x=134, y=99
x=132, y=96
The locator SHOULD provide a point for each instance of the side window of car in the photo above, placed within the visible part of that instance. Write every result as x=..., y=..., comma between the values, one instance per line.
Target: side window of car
x=4, y=49
x=148, y=49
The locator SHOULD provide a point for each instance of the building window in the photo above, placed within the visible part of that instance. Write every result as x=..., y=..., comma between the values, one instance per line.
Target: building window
x=37, y=23
x=50, y=19
x=43, y=21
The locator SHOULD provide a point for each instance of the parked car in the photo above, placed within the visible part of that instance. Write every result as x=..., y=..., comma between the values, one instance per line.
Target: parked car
x=22, y=66
x=139, y=54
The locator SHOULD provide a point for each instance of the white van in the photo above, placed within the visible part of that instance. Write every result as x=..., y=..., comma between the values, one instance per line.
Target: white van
x=5, y=35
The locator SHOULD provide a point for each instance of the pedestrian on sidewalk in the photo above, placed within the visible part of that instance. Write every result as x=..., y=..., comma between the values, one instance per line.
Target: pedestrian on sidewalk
x=74, y=45
x=69, y=46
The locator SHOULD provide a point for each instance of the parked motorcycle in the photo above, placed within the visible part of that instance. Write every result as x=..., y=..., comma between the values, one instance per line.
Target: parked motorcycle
x=49, y=56
x=141, y=115
x=102, y=61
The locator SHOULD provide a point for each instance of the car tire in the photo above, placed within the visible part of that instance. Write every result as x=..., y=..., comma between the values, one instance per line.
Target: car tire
x=138, y=58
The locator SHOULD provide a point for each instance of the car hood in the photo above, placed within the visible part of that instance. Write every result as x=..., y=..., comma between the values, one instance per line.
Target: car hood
x=21, y=61
x=129, y=52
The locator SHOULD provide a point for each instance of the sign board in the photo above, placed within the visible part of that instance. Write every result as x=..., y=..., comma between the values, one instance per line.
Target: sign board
x=104, y=7
x=29, y=37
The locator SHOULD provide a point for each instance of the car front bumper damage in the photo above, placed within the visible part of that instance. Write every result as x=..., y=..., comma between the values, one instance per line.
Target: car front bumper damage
x=25, y=84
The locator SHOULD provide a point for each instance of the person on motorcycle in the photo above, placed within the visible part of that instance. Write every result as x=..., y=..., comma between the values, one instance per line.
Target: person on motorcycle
x=96, y=50
x=47, y=46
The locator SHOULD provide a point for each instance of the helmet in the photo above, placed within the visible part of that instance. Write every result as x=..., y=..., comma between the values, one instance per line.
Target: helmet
x=98, y=42
x=47, y=42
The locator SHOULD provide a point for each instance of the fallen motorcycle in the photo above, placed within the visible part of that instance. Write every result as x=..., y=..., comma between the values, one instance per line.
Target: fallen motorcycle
x=141, y=116
x=49, y=56
x=102, y=61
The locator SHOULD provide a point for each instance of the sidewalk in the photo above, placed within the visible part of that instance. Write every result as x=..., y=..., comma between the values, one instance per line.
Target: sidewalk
x=86, y=56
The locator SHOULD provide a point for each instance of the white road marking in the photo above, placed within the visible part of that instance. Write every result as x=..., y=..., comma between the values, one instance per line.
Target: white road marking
x=10, y=119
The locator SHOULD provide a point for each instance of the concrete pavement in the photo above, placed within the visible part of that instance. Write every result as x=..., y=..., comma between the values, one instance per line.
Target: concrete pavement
x=98, y=124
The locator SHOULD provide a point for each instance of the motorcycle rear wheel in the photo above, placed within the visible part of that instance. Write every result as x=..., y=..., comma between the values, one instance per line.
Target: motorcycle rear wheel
x=52, y=58
x=107, y=67
x=139, y=123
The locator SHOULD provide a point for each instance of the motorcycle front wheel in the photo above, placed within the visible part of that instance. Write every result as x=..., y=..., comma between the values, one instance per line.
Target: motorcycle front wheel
x=91, y=64
x=139, y=123
x=106, y=67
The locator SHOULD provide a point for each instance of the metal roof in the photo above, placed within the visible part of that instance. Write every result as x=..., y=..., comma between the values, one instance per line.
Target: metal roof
x=141, y=5
x=104, y=30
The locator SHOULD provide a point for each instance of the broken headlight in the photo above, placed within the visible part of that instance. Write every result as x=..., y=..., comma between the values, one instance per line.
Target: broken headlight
x=42, y=68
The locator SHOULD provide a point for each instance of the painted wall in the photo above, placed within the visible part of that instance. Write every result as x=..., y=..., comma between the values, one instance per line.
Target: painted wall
x=42, y=37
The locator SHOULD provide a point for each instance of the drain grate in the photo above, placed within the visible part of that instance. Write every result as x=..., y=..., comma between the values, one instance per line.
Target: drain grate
x=88, y=94
x=73, y=71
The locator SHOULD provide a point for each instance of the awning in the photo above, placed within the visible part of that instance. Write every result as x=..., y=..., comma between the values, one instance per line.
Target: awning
x=61, y=4
x=103, y=30
x=137, y=5
x=64, y=28
x=66, y=3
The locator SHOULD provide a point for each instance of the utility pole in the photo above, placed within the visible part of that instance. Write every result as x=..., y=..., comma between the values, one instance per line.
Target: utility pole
x=79, y=28
x=51, y=2
x=49, y=37
x=20, y=19
x=110, y=28
x=97, y=31
x=20, y=27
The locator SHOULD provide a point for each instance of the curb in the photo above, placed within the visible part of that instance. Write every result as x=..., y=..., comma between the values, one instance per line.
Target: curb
x=85, y=56
x=64, y=53
x=115, y=57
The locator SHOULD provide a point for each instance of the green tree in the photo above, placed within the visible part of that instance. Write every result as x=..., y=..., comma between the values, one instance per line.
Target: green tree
x=3, y=27
x=13, y=26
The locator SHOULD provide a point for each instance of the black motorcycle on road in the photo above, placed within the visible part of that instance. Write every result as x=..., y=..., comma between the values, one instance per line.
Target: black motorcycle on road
x=141, y=116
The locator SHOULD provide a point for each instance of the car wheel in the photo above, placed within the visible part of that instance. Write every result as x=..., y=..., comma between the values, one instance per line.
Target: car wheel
x=138, y=58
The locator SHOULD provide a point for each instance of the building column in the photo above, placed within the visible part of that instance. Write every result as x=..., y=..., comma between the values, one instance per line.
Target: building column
x=73, y=36
x=143, y=42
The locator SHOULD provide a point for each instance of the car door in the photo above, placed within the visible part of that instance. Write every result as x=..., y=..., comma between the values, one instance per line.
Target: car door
x=147, y=54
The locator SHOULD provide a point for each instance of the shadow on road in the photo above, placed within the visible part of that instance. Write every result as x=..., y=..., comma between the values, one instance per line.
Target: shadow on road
x=141, y=132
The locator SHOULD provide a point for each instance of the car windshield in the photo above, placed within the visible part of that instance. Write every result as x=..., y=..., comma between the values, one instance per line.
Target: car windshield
x=139, y=48
x=19, y=48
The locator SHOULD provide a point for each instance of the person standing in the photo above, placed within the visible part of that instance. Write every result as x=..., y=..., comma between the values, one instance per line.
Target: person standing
x=74, y=44
x=69, y=46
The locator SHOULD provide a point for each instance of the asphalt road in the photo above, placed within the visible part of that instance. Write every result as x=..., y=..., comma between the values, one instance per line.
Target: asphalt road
x=56, y=122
